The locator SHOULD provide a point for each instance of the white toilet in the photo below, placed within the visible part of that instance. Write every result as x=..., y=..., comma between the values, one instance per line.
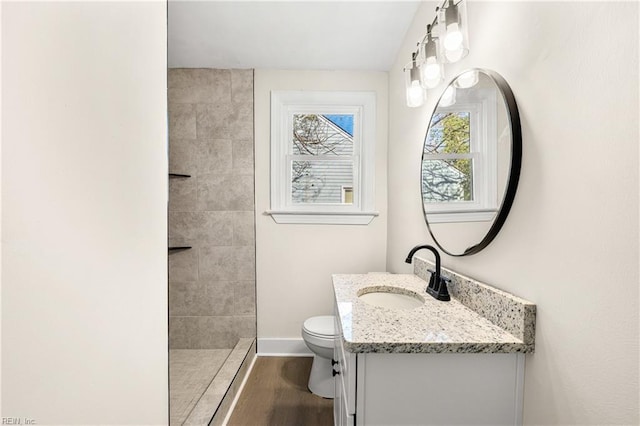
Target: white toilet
x=318, y=334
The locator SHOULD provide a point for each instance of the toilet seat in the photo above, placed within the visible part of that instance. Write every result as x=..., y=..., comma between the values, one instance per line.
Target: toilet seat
x=320, y=341
x=321, y=327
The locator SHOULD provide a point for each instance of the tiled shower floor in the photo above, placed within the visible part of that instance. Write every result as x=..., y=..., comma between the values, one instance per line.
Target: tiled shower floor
x=190, y=373
x=200, y=381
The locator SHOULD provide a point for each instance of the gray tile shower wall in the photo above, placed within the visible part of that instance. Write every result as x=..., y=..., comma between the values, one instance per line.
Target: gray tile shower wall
x=211, y=286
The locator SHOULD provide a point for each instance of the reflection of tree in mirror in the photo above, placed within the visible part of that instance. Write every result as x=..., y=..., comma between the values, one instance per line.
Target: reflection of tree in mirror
x=316, y=137
x=448, y=178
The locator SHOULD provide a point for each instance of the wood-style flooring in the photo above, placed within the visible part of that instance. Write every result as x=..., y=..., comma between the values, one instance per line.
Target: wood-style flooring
x=276, y=394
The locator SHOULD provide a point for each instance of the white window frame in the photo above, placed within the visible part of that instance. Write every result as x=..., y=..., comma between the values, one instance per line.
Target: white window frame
x=484, y=152
x=284, y=104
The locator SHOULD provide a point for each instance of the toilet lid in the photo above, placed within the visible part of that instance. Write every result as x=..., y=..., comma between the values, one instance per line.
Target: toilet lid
x=322, y=325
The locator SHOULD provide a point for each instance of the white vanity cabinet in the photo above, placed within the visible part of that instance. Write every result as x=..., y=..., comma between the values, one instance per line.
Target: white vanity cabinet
x=427, y=388
x=344, y=368
x=440, y=363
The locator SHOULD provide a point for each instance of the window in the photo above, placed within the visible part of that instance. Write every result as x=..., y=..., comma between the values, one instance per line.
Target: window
x=322, y=157
x=347, y=194
x=459, y=163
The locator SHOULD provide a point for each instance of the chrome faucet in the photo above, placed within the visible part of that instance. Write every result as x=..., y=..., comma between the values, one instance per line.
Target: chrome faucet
x=437, y=284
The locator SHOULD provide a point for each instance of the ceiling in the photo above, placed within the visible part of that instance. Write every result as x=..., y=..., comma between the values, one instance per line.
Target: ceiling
x=302, y=34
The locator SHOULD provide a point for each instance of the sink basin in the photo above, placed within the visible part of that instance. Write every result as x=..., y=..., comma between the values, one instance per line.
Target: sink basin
x=391, y=298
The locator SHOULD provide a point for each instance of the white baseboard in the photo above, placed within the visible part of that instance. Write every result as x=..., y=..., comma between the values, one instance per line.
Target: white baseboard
x=282, y=347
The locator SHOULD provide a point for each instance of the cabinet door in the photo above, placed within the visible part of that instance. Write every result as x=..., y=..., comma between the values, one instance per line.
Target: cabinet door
x=439, y=389
x=338, y=400
x=345, y=381
x=341, y=416
x=346, y=365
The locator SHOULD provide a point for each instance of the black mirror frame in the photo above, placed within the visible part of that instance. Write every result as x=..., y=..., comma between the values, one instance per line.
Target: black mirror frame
x=514, y=174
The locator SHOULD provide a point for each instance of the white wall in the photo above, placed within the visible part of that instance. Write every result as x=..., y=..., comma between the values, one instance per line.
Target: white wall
x=570, y=243
x=294, y=263
x=84, y=196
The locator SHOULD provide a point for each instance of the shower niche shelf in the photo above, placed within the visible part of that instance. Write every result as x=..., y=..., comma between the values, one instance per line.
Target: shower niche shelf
x=178, y=248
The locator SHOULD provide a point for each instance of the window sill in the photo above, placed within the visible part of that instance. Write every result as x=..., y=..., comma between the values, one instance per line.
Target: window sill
x=322, y=218
x=461, y=216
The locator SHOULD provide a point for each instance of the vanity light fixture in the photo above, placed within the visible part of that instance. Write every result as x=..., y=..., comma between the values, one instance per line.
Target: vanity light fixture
x=446, y=41
x=415, y=91
x=455, y=37
x=431, y=69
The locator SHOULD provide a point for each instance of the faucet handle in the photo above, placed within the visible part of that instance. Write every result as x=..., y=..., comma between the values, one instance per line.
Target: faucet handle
x=442, y=277
x=432, y=279
x=438, y=289
x=443, y=292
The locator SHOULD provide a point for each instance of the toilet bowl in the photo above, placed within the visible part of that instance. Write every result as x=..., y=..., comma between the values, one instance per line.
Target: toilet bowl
x=318, y=334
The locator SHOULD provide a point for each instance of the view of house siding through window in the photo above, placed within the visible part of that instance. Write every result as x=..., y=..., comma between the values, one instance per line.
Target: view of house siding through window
x=322, y=159
x=447, y=166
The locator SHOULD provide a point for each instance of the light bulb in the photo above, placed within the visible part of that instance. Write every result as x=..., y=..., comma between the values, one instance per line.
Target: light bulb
x=454, y=55
x=431, y=73
x=453, y=39
x=415, y=94
x=431, y=69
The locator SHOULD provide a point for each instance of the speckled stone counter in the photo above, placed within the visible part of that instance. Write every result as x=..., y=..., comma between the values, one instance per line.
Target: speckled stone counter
x=492, y=321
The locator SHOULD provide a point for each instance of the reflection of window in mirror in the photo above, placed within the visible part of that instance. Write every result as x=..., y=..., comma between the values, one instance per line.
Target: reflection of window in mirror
x=459, y=167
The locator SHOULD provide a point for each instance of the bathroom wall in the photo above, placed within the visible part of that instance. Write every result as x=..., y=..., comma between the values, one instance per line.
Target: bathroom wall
x=570, y=243
x=84, y=196
x=295, y=262
x=212, y=285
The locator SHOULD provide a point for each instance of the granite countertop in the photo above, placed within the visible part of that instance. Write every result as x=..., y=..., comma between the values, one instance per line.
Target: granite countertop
x=435, y=327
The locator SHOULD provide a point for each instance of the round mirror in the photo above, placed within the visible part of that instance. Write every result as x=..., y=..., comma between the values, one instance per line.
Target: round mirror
x=471, y=162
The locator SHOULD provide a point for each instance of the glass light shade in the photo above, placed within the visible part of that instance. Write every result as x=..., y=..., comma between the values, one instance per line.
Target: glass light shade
x=454, y=55
x=431, y=73
x=415, y=91
x=467, y=80
x=454, y=38
x=431, y=68
x=448, y=98
x=415, y=94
